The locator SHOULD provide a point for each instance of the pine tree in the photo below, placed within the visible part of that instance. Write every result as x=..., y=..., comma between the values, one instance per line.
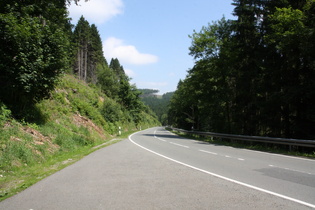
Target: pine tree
x=81, y=39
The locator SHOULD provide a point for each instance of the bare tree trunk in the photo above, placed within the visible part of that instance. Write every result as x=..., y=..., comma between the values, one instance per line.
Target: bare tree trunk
x=85, y=63
x=79, y=63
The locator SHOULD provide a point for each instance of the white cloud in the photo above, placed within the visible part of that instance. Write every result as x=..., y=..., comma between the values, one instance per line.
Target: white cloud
x=115, y=48
x=129, y=72
x=96, y=11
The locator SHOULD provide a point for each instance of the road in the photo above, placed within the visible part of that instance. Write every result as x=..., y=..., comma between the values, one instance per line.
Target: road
x=288, y=177
x=155, y=169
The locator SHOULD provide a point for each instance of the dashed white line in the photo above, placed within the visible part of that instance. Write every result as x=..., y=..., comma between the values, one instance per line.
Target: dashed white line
x=179, y=145
x=225, y=178
x=158, y=137
x=213, y=153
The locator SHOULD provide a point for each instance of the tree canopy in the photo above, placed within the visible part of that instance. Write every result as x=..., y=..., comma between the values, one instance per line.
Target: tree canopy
x=35, y=50
x=38, y=45
x=253, y=75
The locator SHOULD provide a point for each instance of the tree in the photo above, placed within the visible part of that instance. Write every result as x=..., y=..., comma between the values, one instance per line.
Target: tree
x=108, y=81
x=117, y=68
x=81, y=36
x=291, y=35
x=88, y=50
x=159, y=105
x=34, y=50
x=253, y=75
x=96, y=58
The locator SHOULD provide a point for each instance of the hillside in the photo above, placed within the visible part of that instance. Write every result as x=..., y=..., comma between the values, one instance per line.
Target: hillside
x=71, y=123
x=157, y=103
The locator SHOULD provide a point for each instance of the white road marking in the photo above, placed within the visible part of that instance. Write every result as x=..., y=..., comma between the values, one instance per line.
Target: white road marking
x=158, y=137
x=223, y=177
x=179, y=145
x=213, y=153
x=271, y=154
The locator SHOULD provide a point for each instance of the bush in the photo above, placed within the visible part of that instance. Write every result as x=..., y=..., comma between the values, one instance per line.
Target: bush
x=32, y=58
x=112, y=111
x=5, y=114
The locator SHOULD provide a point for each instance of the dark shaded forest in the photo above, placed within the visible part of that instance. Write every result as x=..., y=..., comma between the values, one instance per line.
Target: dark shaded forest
x=254, y=75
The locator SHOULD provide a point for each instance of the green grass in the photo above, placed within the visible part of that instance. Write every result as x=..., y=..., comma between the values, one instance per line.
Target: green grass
x=57, y=132
x=19, y=178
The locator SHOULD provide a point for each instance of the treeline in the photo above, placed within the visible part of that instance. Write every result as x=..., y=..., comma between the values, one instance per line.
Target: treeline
x=39, y=44
x=254, y=75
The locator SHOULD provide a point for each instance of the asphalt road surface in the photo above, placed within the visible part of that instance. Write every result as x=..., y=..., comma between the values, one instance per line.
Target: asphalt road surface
x=154, y=169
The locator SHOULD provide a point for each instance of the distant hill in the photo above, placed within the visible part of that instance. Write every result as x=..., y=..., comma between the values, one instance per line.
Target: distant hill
x=148, y=92
x=157, y=103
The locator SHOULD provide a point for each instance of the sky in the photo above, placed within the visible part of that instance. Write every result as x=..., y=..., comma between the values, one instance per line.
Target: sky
x=151, y=38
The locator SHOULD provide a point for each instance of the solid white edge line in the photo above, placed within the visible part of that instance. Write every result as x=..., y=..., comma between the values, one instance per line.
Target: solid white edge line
x=222, y=177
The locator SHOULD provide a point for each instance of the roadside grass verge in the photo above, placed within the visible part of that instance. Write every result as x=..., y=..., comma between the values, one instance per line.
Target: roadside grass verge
x=19, y=178
x=56, y=132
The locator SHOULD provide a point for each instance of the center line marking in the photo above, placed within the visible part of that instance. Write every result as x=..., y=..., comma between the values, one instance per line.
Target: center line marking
x=213, y=153
x=160, y=139
x=223, y=177
x=179, y=145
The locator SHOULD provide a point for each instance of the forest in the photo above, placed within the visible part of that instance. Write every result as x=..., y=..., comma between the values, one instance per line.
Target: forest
x=39, y=45
x=253, y=75
x=158, y=104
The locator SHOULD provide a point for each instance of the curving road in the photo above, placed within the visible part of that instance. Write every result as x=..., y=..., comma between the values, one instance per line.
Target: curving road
x=155, y=169
x=287, y=177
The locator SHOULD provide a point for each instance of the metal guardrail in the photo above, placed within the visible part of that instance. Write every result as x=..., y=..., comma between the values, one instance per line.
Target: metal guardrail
x=290, y=142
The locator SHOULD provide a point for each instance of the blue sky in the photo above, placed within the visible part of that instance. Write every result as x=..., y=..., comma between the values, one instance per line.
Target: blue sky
x=150, y=38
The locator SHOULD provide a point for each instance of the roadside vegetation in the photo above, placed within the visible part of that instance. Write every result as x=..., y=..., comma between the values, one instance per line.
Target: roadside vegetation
x=159, y=104
x=64, y=128
x=253, y=75
x=59, y=97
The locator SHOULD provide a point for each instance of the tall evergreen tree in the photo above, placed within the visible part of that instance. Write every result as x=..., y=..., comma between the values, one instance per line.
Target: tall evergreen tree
x=81, y=38
x=253, y=75
x=89, y=59
x=117, y=68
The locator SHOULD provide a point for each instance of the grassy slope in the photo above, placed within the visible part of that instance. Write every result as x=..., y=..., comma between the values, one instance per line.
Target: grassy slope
x=64, y=129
